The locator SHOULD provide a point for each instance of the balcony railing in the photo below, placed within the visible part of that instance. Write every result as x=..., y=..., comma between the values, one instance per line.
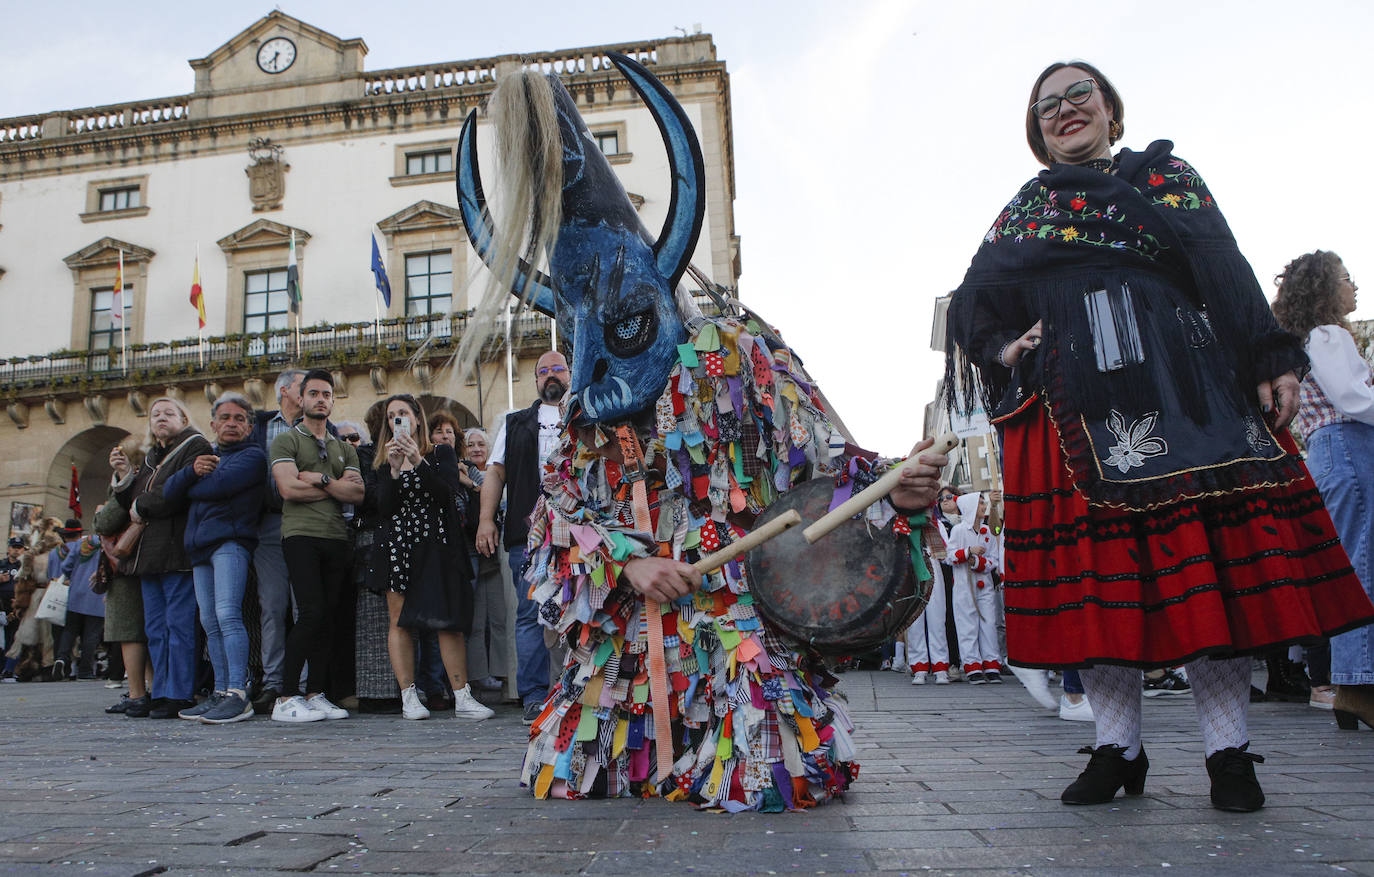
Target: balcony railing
x=335, y=345
x=457, y=74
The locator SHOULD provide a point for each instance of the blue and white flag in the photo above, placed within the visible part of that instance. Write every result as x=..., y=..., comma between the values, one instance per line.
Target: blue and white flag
x=379, y=272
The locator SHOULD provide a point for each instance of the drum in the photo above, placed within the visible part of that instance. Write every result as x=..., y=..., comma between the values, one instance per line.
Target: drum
x=851, y=592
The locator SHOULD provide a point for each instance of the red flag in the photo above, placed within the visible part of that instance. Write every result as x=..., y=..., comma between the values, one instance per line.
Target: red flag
x=74, y=494
x=197, y=295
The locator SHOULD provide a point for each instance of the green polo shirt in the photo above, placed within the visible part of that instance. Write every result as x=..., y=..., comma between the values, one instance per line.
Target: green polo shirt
x=322, y=518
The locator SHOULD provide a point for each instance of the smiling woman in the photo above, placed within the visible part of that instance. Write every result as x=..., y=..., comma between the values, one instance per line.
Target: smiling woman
x=1159, y=468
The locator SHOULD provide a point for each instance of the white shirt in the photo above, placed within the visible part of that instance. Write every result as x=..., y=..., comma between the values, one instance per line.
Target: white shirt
x=550, y=424
x=1341, y=372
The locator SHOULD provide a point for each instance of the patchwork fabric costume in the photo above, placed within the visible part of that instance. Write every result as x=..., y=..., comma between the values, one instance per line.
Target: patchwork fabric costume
x=754, y=723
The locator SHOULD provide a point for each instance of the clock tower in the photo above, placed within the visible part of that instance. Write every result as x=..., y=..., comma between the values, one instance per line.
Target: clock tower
x=278, y=62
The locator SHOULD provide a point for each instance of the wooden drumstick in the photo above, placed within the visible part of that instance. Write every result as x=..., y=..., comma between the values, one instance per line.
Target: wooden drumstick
x=873, y=493
x=751, y=540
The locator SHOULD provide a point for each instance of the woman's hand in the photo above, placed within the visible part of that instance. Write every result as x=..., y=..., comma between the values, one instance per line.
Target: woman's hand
x=395, y=456
x=409, y=449
x=1279, y=398
x=1012, y=353
x=661, y=578
x=119, y=463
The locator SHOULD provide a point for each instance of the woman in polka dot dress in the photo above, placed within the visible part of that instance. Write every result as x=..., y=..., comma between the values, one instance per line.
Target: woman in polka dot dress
x=421, y=562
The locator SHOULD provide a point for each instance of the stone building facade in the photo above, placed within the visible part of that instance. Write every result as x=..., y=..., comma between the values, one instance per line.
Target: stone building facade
x=285, y=137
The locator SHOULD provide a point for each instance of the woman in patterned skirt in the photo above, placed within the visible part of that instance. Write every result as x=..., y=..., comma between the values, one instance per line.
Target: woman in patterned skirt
x=1157, y=511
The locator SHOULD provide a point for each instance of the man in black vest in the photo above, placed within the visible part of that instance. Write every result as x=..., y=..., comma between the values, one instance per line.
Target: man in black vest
x=517, y=456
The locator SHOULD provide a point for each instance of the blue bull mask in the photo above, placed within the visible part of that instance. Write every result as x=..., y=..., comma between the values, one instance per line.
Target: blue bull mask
x=611, y=285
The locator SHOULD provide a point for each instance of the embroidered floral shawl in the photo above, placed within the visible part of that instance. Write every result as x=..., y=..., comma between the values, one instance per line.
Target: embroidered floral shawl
x=1182, y=419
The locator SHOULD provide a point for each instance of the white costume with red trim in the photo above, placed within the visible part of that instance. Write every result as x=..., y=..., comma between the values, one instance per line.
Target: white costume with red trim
x=927, y=647
x=975, y=601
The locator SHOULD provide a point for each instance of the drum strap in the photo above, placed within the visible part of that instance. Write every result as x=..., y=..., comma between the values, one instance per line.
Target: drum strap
x=633, y=468
x=915, y=524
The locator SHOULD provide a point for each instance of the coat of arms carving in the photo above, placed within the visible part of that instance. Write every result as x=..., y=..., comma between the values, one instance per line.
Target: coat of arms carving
x=266, y=175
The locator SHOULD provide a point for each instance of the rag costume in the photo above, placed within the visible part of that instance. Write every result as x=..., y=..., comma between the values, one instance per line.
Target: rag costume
x=1152, y=516
x=975, y=603
x=678, y=430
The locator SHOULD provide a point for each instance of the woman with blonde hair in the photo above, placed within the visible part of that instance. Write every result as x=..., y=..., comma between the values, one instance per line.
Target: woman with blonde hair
x=421, y=558
x=160, y=560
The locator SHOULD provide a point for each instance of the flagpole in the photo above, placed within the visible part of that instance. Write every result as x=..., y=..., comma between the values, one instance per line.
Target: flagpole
x=123, y=338
x=510, y=362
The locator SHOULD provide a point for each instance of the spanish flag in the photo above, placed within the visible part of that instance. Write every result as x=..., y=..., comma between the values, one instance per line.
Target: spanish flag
x=197, y=294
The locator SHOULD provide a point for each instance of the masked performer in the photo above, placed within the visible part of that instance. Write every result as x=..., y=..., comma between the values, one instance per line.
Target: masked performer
x=1157, y=511
x=678, y=431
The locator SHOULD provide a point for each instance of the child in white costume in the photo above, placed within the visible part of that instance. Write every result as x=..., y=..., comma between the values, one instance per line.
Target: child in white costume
x=973, y=553
x=927, y=649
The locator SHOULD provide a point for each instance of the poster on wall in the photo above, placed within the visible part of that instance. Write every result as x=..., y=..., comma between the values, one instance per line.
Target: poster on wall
x=23, y=516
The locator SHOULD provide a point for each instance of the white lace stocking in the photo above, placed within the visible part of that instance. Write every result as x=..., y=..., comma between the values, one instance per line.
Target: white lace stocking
x=1114, y=693
x=1221, y=692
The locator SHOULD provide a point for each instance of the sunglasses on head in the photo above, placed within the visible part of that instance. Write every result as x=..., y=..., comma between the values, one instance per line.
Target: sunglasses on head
x=1076, y=94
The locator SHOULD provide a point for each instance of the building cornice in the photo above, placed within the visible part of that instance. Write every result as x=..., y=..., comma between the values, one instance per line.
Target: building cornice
x=105, y=252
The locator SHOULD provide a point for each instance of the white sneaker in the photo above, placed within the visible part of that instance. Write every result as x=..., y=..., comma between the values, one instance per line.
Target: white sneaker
x=1037, y=685
x=1076, y=712
x=320, y=704
x=411, y=708
x=918, y=678
x=465, y=706
x=941, y=677
x=295, y=709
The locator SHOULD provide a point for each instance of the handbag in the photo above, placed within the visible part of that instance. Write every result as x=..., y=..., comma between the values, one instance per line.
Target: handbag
x=104, y=574
x=127, y=543
x=54, y=605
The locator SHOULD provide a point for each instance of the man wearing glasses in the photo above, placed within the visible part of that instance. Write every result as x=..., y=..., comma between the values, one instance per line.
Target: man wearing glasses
x=517, y=457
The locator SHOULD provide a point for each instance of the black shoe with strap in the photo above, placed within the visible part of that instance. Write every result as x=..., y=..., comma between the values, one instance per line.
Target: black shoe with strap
x=1107, y=771
x=1234, y=786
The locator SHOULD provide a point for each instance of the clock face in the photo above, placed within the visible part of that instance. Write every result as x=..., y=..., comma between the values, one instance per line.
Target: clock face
x=276, y=55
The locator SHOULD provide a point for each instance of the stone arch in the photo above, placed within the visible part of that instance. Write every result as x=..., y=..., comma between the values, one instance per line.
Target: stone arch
x=89, y=450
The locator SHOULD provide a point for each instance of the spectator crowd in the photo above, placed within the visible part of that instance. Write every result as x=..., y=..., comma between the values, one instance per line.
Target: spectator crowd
x=279, y=564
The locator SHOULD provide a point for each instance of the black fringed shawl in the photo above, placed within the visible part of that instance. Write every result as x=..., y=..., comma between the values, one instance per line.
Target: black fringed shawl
x=1184, y=420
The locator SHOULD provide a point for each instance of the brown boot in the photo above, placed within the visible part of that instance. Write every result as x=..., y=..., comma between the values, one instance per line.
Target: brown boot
x=1354, y=704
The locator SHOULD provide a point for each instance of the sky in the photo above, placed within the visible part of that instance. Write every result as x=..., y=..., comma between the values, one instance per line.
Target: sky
x=875, y=140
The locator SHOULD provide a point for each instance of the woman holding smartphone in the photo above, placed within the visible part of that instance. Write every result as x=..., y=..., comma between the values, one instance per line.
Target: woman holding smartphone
x=421, y=558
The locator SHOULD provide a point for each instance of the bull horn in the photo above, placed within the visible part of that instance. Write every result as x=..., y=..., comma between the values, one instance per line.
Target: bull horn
x=682, y=226
x=481, y=230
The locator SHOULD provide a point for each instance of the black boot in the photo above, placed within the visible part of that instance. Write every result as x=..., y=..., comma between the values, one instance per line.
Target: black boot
x=1287, y=681
x=1234, y=786
x=1107, y=771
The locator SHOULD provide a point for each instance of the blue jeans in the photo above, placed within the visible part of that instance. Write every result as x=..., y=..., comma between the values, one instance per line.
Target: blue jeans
x=531, y=655
x=219, y=594
x=1339, y=458
x=1072, y=683
x=169, y=617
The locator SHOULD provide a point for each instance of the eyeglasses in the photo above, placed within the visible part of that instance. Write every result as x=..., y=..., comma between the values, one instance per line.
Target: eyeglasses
x=322, y=448
x=551, y=370
x=351, y=437
x=1076, y=94
x=948, y=496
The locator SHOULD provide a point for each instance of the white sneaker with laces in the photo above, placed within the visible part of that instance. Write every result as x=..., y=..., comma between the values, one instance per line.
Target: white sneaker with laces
x=918, y=678
x=411, y=708
x=295, y=709
x=1037, y=684
x=320, y=704
x=1076, y=712
x=465, y=706
x=941, y=677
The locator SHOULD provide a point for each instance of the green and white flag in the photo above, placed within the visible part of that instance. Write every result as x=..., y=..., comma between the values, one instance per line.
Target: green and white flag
x=293, y=278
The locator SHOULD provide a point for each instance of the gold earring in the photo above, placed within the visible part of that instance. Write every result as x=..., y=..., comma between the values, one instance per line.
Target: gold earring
x=1114, y=129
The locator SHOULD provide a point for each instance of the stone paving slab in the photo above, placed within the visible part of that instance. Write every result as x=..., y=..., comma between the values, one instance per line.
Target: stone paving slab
x=955, y=780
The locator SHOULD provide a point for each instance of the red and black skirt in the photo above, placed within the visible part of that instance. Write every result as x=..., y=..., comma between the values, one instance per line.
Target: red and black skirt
x=1223, y=575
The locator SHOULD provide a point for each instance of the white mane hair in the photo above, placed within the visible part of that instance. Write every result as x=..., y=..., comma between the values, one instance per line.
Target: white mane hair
x=527, y=207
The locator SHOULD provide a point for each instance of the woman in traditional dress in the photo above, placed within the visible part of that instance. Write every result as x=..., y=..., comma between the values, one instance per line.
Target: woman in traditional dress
x=1336, y=421
x=1157, y=511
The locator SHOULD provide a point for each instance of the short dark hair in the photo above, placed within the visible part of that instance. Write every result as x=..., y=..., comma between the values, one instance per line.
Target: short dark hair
x=1033, y=135
x=317, y=374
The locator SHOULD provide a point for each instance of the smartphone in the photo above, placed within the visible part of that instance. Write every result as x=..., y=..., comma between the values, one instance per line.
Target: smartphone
x=400, y=425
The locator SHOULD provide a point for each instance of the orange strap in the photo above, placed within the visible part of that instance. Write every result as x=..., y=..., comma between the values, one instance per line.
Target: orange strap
x=653, y=612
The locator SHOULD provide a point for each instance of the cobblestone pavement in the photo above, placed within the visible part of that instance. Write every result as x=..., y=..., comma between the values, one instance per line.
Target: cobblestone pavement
x=955, y=779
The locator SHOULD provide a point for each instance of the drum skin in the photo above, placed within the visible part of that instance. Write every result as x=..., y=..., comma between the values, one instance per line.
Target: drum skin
x=851, y=592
